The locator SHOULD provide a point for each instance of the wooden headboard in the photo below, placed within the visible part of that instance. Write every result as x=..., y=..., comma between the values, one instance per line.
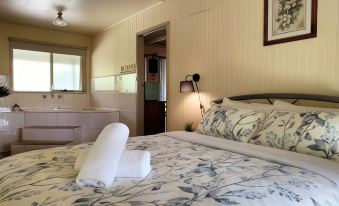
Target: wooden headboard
x=295, y=97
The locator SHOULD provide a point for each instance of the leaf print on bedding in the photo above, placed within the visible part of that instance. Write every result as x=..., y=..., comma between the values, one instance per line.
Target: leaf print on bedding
x=175, y=180
x=211, y=173
x=225, y=201
x=213, y=193
x=82, y=201
x=157, y=187
x=178, y=200
x=188, y=181
x=313, y=133
x=231, y=123
x=136, y=203
x=193, y=189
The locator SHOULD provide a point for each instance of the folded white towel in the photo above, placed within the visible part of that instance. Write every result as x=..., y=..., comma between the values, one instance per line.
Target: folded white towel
x=80, y=159
x=132, y=164
x=100, y=166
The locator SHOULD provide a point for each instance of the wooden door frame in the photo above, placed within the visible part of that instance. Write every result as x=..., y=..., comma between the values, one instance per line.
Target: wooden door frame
x=141, y=74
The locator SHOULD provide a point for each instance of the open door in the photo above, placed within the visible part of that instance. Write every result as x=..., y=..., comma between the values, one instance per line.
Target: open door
x=152, y=85
x=140, y=84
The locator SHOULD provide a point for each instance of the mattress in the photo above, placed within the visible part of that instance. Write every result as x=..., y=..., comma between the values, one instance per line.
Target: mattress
x=187, y=169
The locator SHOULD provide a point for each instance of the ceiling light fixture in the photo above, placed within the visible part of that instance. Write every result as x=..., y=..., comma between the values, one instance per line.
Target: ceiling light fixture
x=59, y=21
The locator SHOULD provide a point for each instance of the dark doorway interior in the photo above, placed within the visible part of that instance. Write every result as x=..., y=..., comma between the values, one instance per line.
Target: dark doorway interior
x=155, y=82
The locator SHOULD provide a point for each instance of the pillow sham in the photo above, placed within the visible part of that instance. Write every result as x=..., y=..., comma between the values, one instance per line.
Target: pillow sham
x=312, y=133
x=286, y=106
x=231, y=123
x=252, y=106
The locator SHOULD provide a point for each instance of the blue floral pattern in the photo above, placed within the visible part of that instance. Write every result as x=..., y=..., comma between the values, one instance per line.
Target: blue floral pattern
x=183, y=174
x=231, y=123
x=312, y=133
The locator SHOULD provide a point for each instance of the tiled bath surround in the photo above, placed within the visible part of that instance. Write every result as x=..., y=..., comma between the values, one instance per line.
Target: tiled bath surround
x=11, y=123
x=38, y=100
x=10, y=128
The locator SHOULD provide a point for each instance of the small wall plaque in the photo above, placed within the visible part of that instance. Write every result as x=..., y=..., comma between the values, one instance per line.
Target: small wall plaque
x=128, y=69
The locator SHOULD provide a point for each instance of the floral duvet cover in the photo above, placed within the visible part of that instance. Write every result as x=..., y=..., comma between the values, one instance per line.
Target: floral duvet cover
x=183, y=173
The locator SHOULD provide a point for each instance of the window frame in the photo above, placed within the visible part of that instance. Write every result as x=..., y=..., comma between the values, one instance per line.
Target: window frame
x=50, y=48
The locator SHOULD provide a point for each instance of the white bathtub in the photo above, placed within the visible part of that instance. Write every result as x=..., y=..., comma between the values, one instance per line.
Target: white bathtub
x=91, y=121
x=68, y=110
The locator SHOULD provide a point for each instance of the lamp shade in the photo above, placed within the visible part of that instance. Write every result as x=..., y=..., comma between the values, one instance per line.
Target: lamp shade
x=186, y=86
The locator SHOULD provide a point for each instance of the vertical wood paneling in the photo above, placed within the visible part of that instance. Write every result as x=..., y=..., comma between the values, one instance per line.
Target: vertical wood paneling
x=222, y=40
x=336, y=15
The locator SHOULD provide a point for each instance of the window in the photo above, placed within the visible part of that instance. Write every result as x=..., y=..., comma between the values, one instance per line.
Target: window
x=31, y=71
x=66, y=72
x=40, y=67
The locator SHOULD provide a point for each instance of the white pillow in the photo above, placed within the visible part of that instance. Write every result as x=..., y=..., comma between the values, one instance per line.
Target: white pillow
x=282, y=105
x=252, y=106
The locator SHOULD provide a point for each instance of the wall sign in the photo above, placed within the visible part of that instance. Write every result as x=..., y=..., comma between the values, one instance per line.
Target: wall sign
x=128, y=69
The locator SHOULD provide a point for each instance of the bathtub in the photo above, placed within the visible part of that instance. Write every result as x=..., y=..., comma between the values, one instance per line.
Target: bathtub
x=68, y=110
x=91, y=120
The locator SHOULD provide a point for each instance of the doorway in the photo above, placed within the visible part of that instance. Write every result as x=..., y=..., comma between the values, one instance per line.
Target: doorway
x=152, y=64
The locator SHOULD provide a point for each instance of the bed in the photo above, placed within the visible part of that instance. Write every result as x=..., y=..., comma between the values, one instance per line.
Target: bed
x=187, y=169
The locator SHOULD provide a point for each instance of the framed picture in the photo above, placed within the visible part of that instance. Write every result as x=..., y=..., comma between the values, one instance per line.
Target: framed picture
x=289, y=20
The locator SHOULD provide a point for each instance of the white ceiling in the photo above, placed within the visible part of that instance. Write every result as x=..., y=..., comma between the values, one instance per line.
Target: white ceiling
x=82, y=16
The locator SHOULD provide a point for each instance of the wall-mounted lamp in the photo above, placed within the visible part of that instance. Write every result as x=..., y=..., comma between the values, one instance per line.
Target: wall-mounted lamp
x=188, y=86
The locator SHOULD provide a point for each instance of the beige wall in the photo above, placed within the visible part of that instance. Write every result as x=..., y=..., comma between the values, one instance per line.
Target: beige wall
x=222, y=40
x=37, y=34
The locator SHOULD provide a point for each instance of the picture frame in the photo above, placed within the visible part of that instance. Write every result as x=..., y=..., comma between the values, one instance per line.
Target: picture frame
x=289, y=20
